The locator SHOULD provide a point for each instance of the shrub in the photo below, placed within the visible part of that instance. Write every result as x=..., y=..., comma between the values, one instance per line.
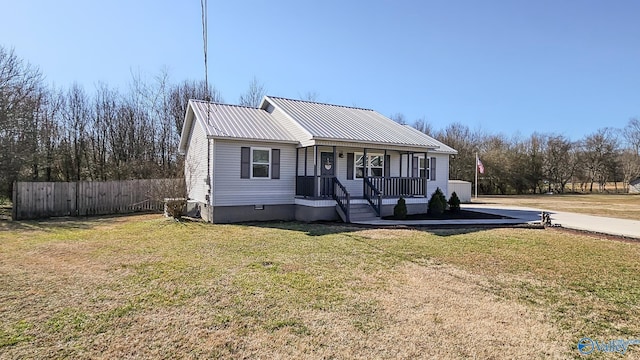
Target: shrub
x=400, y=210
x=437, y=203
x=454, y=203
x=175, y=207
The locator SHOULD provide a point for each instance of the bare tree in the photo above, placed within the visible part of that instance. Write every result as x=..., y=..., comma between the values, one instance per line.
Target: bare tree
x=20, y=94
x=631, y=134
x=180, y=94
x=467, y=143
x=559, y=161
x=534, y=160
x=75, y=115
x=599, y=156
x=423, y=126
x=50, y=112
x=105, y=113
x=399, y=118
x=629, y=166
x=310, y=96
x=254, y=94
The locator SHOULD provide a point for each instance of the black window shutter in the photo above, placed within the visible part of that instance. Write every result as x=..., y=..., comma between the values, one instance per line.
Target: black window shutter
x=387, y=166
x=275, y=163
x=432, y=170
x=245, y=160
x=349, y=166
x=414, y=167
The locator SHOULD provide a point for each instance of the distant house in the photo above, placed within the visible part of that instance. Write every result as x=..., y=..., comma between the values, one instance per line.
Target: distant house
x=634, y=186
x=292, y=159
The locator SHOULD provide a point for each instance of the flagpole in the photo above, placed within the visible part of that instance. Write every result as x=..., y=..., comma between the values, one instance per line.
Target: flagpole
x=476, y=175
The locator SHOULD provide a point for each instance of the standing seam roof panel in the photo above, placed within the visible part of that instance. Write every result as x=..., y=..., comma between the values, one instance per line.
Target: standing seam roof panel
x=348, y=123
x=239, y=122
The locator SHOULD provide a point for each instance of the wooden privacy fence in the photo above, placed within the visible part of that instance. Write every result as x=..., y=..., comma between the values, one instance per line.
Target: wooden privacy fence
x=33, y=200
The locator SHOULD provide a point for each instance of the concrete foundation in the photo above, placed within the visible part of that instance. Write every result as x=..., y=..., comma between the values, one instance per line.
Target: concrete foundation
x=310, y=213
x=233, y=214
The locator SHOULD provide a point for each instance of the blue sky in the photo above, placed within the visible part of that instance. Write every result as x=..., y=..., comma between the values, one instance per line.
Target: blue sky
x=567, y=67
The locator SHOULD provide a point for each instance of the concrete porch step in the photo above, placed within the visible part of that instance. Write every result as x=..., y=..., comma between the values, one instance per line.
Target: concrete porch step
x=362, y=212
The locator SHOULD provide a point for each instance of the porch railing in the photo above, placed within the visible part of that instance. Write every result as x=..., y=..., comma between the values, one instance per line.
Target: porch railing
x=388, y=187
x=342, y=197
x=398, y=186
x=315, y=186
x=326, y=186
x=373, y=195
x=305, y=186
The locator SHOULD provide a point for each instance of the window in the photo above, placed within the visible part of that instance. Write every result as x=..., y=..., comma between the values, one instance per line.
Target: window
x=260, y=162
x=374, y=165
x=359, y=163
x=423, y=167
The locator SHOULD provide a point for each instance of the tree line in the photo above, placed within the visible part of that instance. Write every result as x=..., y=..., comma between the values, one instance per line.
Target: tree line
x=53, y=134
x=542, y=162
x=57, y=134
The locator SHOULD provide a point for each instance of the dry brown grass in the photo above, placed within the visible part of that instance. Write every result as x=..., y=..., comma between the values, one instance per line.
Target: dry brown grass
x=618, y=206
x=454, y=317
x=146, y=287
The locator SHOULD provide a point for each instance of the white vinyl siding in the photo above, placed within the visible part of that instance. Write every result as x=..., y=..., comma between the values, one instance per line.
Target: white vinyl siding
x=195, y=170
x=442, y=174
x=231, y=190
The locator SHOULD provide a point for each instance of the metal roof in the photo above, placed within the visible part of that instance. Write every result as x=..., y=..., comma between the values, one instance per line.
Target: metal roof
x=304, y=122
x=326, y=121
x=441, y=146
x=241, y=122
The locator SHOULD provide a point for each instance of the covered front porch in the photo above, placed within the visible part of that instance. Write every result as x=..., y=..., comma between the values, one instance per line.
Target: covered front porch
x=354, y=175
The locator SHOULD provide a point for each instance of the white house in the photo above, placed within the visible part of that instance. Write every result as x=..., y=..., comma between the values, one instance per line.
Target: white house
x=634, y=186
x=292, y=159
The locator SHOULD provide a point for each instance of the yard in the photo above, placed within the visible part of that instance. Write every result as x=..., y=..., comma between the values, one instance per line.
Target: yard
x=148, y=287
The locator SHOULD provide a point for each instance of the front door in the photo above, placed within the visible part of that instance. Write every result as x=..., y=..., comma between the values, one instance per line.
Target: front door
x=327, y=173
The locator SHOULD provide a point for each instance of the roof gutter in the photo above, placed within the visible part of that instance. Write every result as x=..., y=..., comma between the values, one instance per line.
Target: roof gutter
x=379, y=144
x=220, y=137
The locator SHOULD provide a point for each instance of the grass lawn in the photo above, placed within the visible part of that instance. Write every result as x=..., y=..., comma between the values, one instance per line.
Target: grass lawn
x=148, y=287
x=618, y=206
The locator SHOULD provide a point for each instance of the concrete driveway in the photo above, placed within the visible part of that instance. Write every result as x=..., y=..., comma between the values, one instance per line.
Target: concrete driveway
x=517, y=216
x=599, y=224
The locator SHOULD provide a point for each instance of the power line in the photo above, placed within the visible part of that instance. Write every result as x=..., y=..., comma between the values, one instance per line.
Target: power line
x=203, y=6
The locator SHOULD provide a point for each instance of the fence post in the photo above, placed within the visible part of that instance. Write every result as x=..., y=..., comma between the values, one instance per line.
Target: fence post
x=77, y=210
x=14, y=207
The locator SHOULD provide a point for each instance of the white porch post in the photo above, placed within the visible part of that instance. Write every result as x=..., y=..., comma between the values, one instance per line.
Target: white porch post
x=364, y=170
x=385, y=166
x=426, y=178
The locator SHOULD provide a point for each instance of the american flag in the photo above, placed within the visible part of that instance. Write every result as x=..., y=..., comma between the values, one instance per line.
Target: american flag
x=480, y=167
